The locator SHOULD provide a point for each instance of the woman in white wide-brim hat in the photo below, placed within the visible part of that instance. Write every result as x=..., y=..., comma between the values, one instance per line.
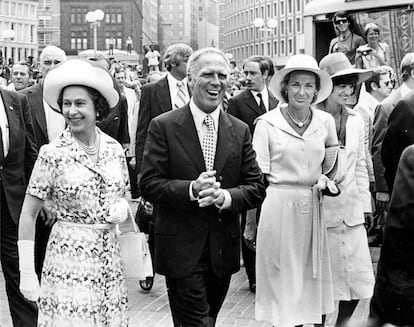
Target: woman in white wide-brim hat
x=80, y=178
x=294, y=284
x=346, y=214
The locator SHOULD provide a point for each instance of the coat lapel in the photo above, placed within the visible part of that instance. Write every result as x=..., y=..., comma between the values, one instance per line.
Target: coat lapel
x=39, y=111
x=163, y=94
x=272, y=101
x=13, y=120
x=186, y=134
x=251, y=102
x=225, y=140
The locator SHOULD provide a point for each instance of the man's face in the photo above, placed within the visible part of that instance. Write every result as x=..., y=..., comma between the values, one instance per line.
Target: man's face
x=120, y=78
x=385, y=86
x=341, y=23
x=255, y=80
x=209, y=81
x=20, y=76
x=180, y=68
x=50, y=59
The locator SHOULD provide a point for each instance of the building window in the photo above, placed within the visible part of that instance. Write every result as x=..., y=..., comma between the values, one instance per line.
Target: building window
x=275, y=9
x=113, y=15
x=298, y=24
x=289, y=4
x=290, y=46
x=6, y=8
x=290, y=27
x=78, y=15
x=298, y=6
x=44, y=39
x=275, y=48
x=282, y=8
x=282, y=27
x=78, y=40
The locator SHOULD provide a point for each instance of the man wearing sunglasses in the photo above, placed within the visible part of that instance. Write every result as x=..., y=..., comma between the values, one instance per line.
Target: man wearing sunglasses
x=346, y=41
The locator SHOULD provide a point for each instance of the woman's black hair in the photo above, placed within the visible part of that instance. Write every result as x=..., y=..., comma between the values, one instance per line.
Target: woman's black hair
x=351, y=79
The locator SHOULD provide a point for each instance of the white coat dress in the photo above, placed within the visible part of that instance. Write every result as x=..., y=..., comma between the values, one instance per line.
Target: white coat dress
x=287, y=292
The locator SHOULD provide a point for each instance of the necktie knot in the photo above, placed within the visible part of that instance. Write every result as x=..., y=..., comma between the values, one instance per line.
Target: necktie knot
x=208, y=120
x=259, y=95
x=179, y=84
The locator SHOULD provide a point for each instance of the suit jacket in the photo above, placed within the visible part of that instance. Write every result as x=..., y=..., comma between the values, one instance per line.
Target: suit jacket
x=399, y=135
x=245, y=107
x=34, y=95
x=172, y=159
x=155, y=100
x=382, y=112
x=18, y=164
x=395, y=271
x=355, y=199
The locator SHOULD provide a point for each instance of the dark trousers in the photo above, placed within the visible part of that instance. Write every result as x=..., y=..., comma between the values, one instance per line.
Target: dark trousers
x=248, y=255
x=23, y=312
x=133, y=178
x=388, y=307
x=195, y=300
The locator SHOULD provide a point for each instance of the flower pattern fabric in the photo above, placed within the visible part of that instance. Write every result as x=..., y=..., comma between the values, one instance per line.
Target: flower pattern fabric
x=82, y=281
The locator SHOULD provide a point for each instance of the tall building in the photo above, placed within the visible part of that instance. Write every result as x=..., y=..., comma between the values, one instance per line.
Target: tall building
x=18, y=29
x=208, y=23
x=48, y=31
x=264, y=27
x=149, y=22
x=122, y=18
x=177, y=23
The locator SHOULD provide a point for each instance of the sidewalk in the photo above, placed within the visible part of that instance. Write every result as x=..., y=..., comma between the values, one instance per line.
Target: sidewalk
x=151, y=309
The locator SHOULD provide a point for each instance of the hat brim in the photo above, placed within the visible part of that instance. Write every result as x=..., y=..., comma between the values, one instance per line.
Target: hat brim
x=325, y=82
x=81, y=73
x=362, y=74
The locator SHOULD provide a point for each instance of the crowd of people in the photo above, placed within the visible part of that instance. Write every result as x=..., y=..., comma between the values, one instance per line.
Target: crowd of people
x=280, y=167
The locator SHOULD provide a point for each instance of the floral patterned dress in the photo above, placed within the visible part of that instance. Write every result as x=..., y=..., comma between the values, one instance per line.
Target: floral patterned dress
x=82, y=281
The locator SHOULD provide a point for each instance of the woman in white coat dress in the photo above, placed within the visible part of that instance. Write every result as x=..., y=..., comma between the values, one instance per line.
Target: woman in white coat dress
x=294, y=283
x=346, y=214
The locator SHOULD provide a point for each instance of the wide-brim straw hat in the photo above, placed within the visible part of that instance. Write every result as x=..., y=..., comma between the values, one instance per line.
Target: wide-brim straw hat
x=81, y=73
x=337, y=64
x=302, y=62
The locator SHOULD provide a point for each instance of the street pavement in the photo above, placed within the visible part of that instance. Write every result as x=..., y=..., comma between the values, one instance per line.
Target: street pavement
x=151, y=309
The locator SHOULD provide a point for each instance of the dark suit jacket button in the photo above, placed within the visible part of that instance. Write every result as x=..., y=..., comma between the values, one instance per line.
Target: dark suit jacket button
x=220, y=220
x=220, y=251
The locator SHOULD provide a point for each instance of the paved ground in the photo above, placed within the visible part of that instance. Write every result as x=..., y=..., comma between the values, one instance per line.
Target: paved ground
x=151, y=309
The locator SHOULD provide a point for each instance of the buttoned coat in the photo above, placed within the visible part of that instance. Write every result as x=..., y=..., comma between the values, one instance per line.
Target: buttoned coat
x=382, y=112
x=172, y=159
x=355, y=199
x=245, y=107
x=18, y=164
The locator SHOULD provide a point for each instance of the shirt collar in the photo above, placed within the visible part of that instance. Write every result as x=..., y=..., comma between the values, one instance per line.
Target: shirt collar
x=265, y=97
x=173, y=81
x=199, y=115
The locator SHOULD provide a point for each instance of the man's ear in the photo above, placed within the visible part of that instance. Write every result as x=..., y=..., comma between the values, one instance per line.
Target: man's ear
x=374, y=86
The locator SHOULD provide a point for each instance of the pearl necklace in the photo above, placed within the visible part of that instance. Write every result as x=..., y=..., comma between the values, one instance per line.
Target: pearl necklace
x=90, y=150
x=299, y=123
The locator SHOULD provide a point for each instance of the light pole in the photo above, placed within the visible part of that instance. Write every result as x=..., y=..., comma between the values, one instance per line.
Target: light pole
x=8, y=36
x=266, y=26
x=94, y=17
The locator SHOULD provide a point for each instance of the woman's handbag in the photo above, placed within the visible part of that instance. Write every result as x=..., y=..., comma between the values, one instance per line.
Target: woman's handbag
x=333, y=165
x=135, y=254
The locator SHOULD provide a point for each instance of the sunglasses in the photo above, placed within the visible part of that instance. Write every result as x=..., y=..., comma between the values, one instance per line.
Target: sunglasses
x=340, y=21
x=390, y=83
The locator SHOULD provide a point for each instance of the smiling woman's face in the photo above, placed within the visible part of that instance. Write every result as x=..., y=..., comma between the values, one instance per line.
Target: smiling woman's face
x=301, y=89
x=78, y=109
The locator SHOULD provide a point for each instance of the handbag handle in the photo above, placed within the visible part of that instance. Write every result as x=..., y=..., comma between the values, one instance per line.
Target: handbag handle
x=131, y=217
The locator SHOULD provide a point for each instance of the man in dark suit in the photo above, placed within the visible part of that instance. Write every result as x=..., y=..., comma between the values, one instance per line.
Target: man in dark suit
x=398, y=136
x=199, y=170
x=247, y=106
x=381, y=115
x=47, y=124
x=162, y=96
x=17, y=157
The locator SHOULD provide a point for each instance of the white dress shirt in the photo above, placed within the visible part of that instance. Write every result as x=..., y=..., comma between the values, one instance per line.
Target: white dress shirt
x=172, y=84
x=55, y=123
x=265, y=97
x=4, y=124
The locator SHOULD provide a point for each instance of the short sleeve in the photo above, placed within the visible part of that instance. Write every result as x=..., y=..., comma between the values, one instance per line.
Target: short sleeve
x=261, y=145
x=41, y=180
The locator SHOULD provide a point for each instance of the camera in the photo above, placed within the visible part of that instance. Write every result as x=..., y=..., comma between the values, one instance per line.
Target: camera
x=365, y=51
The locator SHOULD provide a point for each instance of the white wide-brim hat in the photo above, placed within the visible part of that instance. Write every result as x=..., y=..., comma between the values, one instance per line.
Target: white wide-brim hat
x=81, y=73
x=337, y=64
x=302, y=62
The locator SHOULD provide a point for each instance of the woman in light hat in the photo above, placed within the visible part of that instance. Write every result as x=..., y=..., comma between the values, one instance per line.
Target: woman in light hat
x=294, y=284
x=346, y=214
x=81, y=177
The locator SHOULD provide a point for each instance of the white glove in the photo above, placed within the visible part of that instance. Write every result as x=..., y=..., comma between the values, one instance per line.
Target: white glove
x=118, y=212
x=325, y=183
x=29, y=283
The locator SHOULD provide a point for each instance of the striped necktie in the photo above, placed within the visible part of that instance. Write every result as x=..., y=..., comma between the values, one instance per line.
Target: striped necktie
x=181, y=98
x=209, y=143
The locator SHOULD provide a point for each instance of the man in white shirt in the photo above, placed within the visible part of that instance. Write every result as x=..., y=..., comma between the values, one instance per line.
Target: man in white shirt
x=199, y=170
